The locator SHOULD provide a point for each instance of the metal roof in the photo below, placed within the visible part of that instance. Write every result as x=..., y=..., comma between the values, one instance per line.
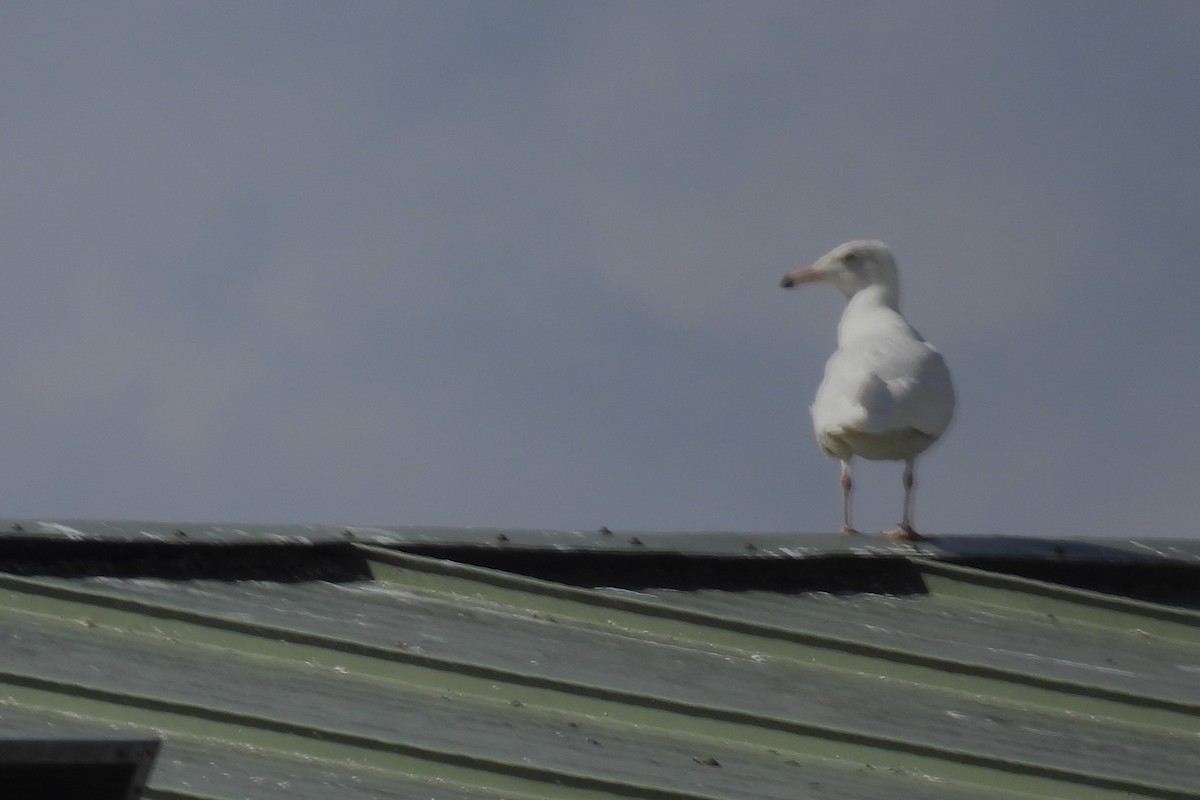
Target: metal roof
x=377, y=663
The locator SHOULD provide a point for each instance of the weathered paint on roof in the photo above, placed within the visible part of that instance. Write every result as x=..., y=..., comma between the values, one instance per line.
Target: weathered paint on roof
x=401, y=675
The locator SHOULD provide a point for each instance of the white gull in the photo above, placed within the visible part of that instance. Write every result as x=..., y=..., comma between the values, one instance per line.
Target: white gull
x=887, y=394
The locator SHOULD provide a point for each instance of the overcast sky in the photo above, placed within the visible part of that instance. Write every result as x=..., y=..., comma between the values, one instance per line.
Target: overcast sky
x=516, y=264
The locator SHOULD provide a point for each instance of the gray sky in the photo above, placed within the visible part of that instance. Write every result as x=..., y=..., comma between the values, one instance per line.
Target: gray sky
x=516, y=264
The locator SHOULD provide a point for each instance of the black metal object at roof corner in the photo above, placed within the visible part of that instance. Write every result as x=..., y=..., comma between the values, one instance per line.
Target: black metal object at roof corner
x=98, y=768
x=1157, y=570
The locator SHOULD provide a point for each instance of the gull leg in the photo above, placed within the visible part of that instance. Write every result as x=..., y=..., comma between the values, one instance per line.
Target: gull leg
x=905, y=531
x=847, y=484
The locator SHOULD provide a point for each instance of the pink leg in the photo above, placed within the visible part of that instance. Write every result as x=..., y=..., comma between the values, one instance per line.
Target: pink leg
x=905, y=531
x=847, y=485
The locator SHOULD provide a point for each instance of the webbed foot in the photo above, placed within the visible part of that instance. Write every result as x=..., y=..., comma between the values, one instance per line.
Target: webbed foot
x=904, y=533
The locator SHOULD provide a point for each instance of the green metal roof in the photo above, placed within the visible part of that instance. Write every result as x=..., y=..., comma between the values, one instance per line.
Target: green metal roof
x=353, y=663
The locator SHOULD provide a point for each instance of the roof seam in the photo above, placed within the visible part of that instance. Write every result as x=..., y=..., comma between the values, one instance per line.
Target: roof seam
x=651, y=609
x=1183, y=617
x=388, y=747
x=559, y=778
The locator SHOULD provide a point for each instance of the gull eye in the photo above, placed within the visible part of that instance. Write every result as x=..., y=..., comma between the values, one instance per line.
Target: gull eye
x=850, y=258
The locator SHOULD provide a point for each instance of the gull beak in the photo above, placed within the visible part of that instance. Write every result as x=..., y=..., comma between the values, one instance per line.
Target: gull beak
x=805, y=275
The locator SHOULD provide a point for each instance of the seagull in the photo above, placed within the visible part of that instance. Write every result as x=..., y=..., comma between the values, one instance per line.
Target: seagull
x=887, y=394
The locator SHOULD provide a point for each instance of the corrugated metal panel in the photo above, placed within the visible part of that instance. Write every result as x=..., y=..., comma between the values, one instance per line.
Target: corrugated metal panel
x=406, y=676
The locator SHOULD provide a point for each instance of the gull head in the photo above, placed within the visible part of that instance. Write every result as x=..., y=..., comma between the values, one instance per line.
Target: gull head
x=851, y=268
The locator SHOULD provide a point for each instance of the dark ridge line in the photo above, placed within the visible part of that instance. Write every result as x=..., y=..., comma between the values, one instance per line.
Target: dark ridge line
x=279, y=563
x=1173, y=583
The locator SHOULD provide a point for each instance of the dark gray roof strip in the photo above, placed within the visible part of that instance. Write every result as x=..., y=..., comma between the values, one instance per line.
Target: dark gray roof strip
x=733, y=544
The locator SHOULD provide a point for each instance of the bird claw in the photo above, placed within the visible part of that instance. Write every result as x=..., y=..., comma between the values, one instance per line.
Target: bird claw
x=904, y=533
